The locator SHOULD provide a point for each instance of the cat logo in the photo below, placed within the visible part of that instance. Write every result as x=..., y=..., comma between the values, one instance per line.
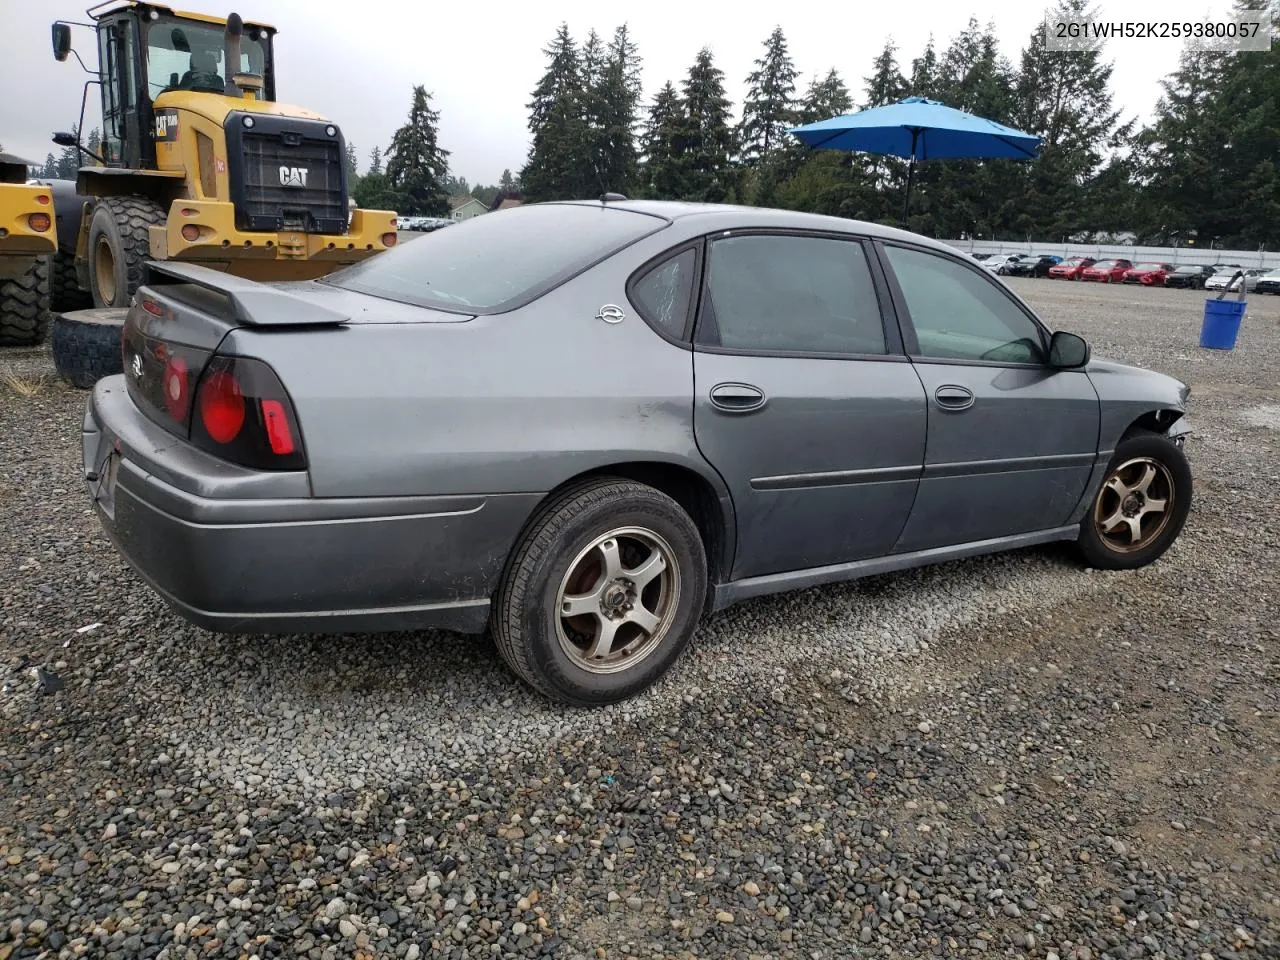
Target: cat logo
x=293, y=176
x=166, y=126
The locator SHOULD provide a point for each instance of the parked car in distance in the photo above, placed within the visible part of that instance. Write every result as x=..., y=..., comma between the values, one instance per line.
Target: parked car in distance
x=1032, y=265
x=980, y=256
x=586, y=424
x=1070, y=268
x=1148, y=274
x=404, y=223
x=1000, y=262
x=1269, y=282
x=1106, y=271
x=1190, y=275
x=1227, y=279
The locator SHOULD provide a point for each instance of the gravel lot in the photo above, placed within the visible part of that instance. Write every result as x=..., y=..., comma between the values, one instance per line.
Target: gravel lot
x=1003, y=756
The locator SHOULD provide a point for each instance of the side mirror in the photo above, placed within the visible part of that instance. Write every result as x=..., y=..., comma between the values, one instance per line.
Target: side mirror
x=1068, y=351
x=64, y=139
x=61, y=41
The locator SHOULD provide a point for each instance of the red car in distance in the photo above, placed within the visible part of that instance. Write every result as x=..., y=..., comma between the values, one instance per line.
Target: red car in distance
x=1150, y=274
x=1106, y=271
x=1071, y=268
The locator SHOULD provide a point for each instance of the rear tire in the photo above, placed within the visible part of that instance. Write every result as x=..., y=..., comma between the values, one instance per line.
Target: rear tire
x=65, y=292
x=625, y=554
x=119, y=246
x=1121, y=530
x=86, y=346
x=24, y=307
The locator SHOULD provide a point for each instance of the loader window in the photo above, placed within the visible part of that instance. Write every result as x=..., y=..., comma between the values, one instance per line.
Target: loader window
x=188, y=55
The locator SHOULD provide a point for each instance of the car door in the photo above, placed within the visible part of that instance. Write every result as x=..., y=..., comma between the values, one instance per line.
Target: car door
x=804, y=400
x=1011, y=441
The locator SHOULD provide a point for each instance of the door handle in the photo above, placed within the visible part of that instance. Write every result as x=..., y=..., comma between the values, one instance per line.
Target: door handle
x=737, y=397
x=952, y=397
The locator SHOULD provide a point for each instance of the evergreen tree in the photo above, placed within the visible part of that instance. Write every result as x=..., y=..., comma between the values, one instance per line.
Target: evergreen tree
x=69, y=159
x=50, y=170
x=352, y=163
x=94, y=143
x=886, y=83
x=507, y=182
x=560, y=164
x=924, y=72
x=704, y=140
x=375, y=160
x=825, y=98
x=662, y=172
x=617, y=101
x=1065, y=98
x=374, y=191
x=416, y=164
x=768, y=111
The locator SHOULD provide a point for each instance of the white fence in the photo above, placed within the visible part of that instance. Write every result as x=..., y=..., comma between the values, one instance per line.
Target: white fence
x=1267, y=260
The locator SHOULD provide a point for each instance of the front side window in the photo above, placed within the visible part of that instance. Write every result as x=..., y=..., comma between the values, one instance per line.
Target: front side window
x=793, y=294
x=958, y=314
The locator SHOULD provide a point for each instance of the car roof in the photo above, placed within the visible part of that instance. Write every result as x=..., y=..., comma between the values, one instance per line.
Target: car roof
x=728, y=216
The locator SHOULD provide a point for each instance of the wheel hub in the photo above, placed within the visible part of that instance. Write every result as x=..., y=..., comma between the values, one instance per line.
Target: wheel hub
x=1132, y=505
x=615, y=597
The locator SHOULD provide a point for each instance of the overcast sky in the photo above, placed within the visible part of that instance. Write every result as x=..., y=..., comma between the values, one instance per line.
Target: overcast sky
x=357, y=60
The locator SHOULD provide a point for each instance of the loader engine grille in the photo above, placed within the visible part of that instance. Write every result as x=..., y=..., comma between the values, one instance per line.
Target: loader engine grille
x=286, y=174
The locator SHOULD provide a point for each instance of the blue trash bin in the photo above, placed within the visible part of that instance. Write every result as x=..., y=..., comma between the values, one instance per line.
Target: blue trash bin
x=1221, y=324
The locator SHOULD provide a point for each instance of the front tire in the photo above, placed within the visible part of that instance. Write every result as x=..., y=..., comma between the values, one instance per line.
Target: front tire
x=602, y=594
x=119, y=246
x=1141, y=506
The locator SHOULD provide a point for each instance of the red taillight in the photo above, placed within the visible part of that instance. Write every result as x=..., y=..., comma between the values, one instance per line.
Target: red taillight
x=389, y=239
x=42, y=199
x=153, y=308
x=40, y=222
x=279, y=436
x=244, y=415
x=221, y=406
x=190, y=232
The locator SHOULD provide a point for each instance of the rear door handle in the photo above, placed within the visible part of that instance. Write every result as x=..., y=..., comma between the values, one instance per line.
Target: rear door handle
x=952, y=397
x=737, y=397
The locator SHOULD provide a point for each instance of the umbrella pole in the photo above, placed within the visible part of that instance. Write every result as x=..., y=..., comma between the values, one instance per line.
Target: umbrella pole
x=911, y=176
x=906, y=201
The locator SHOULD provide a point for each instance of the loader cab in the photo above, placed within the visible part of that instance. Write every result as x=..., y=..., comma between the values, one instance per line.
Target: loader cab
x=145, y=50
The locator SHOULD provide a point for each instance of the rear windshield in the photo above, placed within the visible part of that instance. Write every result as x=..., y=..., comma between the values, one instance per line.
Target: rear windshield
x=499, y=260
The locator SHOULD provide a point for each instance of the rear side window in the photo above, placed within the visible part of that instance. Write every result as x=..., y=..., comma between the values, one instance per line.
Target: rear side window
x=497, y=261
x=664, y=294
x=793, y=294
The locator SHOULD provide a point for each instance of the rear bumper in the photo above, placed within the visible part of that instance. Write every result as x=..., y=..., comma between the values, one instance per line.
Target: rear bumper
x=243, y=551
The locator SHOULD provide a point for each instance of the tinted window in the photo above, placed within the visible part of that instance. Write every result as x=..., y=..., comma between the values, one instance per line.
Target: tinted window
x=665, y=293
x=489, y=262
x=791, y=293
x=960, y=315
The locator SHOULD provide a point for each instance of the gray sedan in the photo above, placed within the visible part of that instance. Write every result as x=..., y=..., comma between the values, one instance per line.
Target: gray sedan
x=585, y=425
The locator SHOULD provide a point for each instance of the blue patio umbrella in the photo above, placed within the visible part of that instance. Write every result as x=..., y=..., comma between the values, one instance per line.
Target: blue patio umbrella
x=919, y=129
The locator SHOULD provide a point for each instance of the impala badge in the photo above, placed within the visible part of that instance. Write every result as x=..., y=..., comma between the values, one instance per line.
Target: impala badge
x=610, y=313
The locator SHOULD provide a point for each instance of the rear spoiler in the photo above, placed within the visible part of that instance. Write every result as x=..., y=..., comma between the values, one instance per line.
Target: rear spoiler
x=252, y=304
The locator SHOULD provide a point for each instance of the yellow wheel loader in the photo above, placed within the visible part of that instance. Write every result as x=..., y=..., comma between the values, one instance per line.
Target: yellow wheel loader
x=27, y=239
x=199, y=162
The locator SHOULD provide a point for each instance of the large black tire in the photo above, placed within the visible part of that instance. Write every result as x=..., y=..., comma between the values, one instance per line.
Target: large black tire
x=24, y=307
x=1156, y=531
x=64, y=289
x=557, y=546
x=86, y=346
x=118, y=247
